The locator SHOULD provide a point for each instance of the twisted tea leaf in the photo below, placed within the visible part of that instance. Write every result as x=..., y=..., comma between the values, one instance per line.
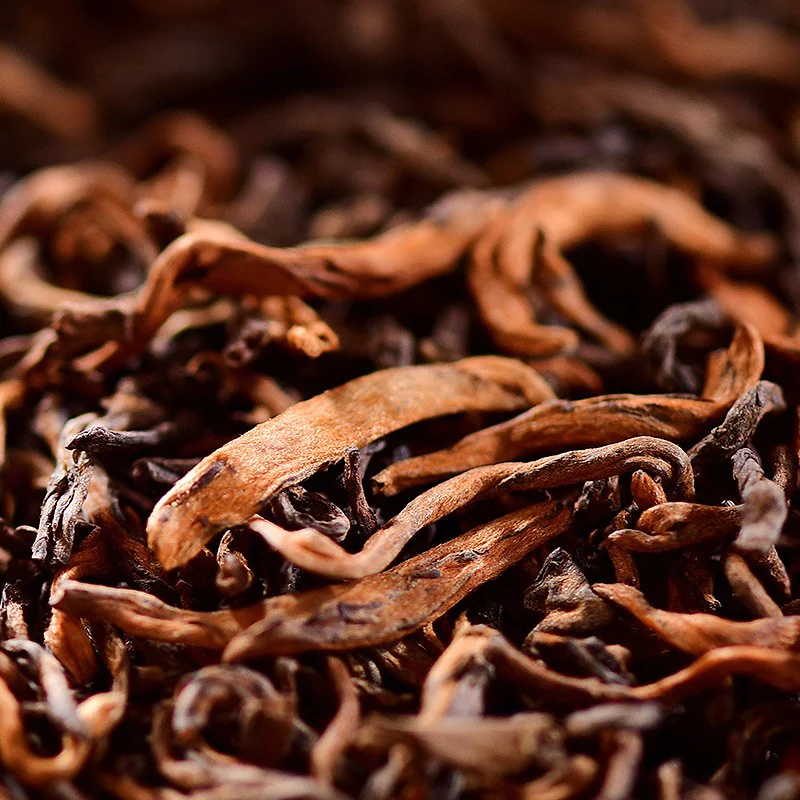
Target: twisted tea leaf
x=376, y=609
x=284, y=451
x=594, y=420
x=314, y=551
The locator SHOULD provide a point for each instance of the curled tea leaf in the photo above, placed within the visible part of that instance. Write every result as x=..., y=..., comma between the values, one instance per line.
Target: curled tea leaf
x=672, y=526
x=379, y=608
x=594, y=420
x=702, y=633
x=284, y=451
x=556, y=214
x=314, y=551
x=384, y=607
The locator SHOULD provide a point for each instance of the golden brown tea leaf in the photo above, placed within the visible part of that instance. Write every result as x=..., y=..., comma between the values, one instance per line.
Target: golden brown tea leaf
x=218, y=258
x=746, y=586
x=314, y=551
x=378, y=608
x=774, y=667
x=495, y=746
x=701, y=633
x=671, y=526
x=594, y=420
x=27, y=89
x=229, y=486
x=65, y=635
x=37, y=204
x=342, y=728
x=27, y=766
x=387, y=606
x=22, y=286
x=525, y=244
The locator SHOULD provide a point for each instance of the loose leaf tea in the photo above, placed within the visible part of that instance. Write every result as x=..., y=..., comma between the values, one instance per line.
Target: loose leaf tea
x=250, y=470
x=399, y=400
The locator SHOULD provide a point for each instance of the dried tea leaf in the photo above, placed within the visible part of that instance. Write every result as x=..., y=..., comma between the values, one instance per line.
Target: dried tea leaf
x=702, y=633
x=343, y=727
x=62, y=109
x=59, y=701
x=286, y=450
x=764, y=508
x=662, y=38
x=588, y=656
x=672, y=526
x=42, y=198
x=384, y=607
x=594, y=420
x=218, y=258
x=379, y=608
x=235, y=575
x=28, y=767
x=314, y=551
x=491, y=746
x=739, y=425
x=297, y=508
x=141, y=614
x=66, y=492
x=66, y=636
x=622, y=767
x=263, y=716
x=748, y=589
x=774, y=667
x=661, y=341
x=563, y=594
x=33, y=299
x=559, y=213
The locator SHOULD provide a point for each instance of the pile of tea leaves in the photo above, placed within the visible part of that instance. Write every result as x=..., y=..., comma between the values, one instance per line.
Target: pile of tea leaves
x=399, y=400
